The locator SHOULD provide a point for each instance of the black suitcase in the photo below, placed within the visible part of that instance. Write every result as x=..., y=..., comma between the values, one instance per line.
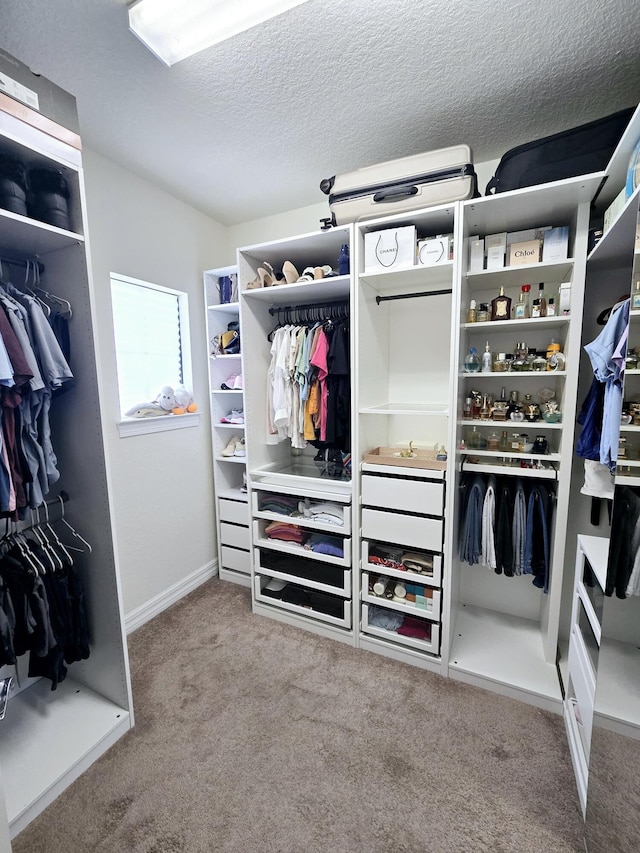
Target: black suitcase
x=579, y=151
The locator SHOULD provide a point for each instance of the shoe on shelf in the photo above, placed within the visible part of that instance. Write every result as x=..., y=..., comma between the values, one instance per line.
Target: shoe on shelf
x=235, y=416
x=232, y=383
x=307, y=274
x=255, y=283
x=240, y=449
x=267, y=276
x=230, y=449
x=243, y=487
x=290, y=273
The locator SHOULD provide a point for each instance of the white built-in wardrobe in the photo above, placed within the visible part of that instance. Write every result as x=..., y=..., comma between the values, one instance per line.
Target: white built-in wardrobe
x=409, y=334
x=48, y=738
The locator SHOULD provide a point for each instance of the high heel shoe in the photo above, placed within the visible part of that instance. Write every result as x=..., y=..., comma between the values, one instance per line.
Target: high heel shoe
x=290, y=273
x=267, y=277
x=255, y=283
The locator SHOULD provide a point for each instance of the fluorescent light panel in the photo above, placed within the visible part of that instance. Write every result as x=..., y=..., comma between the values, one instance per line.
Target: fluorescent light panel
x=175, y=29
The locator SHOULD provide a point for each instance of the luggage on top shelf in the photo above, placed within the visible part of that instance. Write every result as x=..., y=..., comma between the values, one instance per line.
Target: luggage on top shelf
x=409, y=183
x=578, y=151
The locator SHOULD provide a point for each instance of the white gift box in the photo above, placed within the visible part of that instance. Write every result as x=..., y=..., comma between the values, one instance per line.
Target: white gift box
x=393, y=248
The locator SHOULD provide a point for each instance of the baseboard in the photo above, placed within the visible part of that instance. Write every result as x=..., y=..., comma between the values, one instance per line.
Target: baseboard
x=165, y=599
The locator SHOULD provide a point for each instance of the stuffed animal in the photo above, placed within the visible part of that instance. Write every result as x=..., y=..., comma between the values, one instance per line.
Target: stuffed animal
x=184, y=401
x=168, y=402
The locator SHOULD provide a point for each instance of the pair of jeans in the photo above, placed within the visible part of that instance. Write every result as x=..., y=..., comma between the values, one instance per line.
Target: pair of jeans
x=536, y=547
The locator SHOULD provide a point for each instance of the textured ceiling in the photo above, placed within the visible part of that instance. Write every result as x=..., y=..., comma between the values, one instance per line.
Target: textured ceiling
x=250, y=127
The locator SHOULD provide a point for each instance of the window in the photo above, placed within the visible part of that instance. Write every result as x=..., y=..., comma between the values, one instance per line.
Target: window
x=151, y=332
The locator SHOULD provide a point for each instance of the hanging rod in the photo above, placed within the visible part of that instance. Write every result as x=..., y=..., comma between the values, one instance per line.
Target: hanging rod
x=343, y=303
x=18, y=262
x=380, y=299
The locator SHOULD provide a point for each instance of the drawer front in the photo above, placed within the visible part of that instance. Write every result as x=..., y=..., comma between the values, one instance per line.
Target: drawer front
x=237, y=512
x=431, y=646
x=402, y=529
x=405, y=495
x=238, y=561
x=583, y=681
x=237, y=537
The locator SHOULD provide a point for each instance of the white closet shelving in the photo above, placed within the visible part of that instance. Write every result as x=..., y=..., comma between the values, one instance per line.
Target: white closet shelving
x=504, y=631
x=229, y=471
x=318, y=587
x=407, y=326
x=49, y=737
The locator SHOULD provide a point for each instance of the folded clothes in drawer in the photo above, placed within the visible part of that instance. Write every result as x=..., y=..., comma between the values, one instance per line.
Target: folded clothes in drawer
x=326, y=573
x=303, y=597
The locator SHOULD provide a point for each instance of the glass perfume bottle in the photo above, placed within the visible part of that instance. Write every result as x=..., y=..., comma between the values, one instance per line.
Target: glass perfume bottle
x=472, y=361
x=487, y=366
x=522, y=309
x=501, y=306
x=472, y=316
x=542, y=300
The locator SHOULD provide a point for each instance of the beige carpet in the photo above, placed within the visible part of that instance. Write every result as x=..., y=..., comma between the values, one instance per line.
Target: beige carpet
x=255, y=736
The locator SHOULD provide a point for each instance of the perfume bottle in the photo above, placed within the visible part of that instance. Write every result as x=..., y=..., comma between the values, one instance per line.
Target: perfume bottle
x=635, y=298
x=473, y=312
x=483, y=315
x=472, y=361
x=551, y=307
x=522, y=309
x=504, y=441
x=343, y=260
x=487, y=366
x=542, y=299
x=501, y=307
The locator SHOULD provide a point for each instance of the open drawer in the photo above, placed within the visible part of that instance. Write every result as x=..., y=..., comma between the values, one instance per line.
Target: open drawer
x=326, y=577
x=425, y=606
x=431, y=645
x=308, y=603
x=322, y=515
x=431, y=575
x=261, y=540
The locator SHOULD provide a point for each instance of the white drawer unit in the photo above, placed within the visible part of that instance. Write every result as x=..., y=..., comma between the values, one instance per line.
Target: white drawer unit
x=309, y=521
x=430, y=645
x=412, y=530
x=235, y=535
x=236, y=512
x=236, y=560
x=434, y=578
x=403, y=494
x=317, y=605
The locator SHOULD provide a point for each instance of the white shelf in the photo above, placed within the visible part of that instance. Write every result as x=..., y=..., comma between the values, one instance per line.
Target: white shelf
x=503, y=649
x=323, y=289
x=515, y=374
x=615, y=248
x=299, y=475
x=530, y=323
x=558, y=271
x=306, y=523
x=437, y=409
x=404, y=471
x=505, y=454
x=389, y=282
x=626, y=479
x=596, y=550
x=409, y=608
x=33, y=238
x=59, y=733
x=628, y=428
x=510, y=471
x=226, y=391
x=512, y=425
x=325, y=495
x=228, y=426
x=237, y=459
x=307, y=613
x=430, y=646
x=225, y=308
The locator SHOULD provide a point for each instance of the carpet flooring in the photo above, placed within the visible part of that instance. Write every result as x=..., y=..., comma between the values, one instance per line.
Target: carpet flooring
x=256, y=736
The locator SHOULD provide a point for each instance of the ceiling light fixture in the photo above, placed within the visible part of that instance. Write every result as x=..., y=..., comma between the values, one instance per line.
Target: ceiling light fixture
x=175, y=29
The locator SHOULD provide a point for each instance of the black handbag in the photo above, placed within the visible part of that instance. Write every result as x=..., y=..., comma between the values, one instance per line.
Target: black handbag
x=579, y=151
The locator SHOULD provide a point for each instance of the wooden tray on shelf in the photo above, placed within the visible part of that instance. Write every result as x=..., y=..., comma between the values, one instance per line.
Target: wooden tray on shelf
x=418, y=459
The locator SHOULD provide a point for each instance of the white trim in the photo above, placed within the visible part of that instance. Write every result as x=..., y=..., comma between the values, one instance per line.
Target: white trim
x=170, y=596
x=161, y=423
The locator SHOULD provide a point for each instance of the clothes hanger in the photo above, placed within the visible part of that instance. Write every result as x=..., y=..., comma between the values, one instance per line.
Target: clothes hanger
x=73, y=531
x=55, y=535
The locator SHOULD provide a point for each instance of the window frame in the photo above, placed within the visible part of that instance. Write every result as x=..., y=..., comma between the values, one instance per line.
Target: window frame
x=128, y=426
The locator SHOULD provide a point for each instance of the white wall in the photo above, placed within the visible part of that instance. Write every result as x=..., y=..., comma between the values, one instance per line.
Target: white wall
x=162, y=492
